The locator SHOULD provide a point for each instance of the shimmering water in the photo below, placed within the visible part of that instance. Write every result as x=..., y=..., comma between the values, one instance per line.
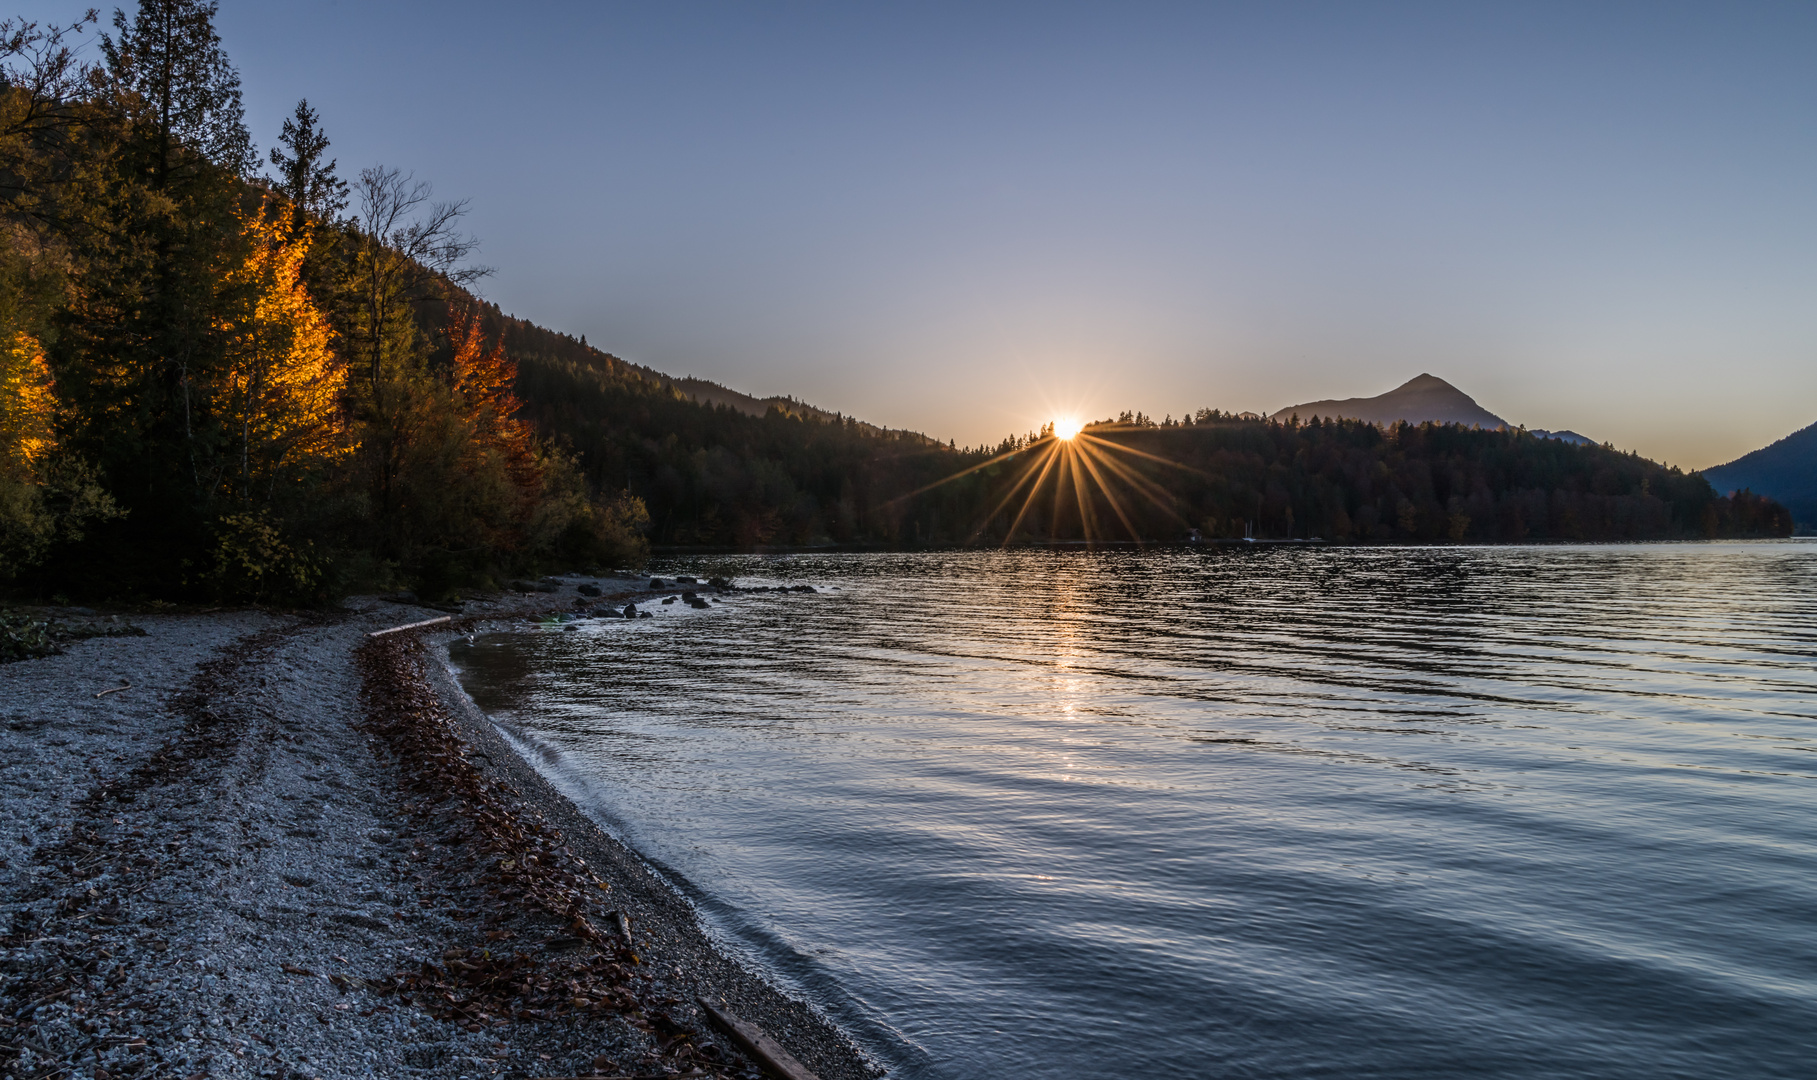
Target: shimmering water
x=1497, y=812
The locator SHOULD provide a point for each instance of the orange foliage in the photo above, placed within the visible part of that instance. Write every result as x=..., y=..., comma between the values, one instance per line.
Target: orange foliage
x=27, y=406
x=282, y=386
x=483, y=378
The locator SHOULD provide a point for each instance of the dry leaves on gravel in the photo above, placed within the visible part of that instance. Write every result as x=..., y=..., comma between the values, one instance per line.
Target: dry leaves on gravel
x=584, y=967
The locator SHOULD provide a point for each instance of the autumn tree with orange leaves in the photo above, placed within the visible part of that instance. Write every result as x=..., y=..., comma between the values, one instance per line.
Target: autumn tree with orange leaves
x=496, y=441
x=281, y=389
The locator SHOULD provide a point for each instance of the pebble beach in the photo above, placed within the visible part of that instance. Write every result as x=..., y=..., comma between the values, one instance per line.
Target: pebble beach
x=259, y=843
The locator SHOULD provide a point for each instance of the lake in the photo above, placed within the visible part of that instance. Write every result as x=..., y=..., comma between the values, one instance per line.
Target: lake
x=1233, y=812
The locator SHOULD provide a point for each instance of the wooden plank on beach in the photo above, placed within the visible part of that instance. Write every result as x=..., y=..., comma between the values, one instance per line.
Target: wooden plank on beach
x=412, y=626
x=767, y=1051
x=646, y=1076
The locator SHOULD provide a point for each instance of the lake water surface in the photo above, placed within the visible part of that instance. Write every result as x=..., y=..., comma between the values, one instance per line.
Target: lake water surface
x=1366, y=812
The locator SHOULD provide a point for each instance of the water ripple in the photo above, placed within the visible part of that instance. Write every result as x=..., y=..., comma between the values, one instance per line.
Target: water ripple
x=1509, y=812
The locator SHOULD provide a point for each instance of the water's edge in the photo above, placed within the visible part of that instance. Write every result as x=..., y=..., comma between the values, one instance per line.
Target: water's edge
x=1512, y=812
x=731, y=930
x=657, y=901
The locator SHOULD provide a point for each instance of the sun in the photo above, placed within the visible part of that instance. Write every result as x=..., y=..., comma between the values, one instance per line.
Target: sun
x=1065, y=427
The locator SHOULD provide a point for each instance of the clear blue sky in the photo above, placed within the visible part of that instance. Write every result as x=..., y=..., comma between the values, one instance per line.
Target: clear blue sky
x=959, y=218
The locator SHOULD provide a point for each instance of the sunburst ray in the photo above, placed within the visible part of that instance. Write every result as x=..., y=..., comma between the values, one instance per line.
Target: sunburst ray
x=1005, y=456
x=1087, y=516
x=1052, y=456
x=1087, y=454
x=1141, y=453
x=1069, y=454
x=1155, y=493
x=1028, y=473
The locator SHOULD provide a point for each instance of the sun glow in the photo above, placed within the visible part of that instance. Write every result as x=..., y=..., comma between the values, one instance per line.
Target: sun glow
x=1096, y=470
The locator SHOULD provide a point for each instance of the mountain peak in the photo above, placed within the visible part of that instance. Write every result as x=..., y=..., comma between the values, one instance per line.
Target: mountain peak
x=1425, y=397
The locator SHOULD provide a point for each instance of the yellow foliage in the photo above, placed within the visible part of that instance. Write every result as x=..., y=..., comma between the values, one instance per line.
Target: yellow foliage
x=283, y=384
x=252, y=559
x=27, y=406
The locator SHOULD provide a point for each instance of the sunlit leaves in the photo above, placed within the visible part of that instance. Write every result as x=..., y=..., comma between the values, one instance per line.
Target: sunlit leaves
x=27, y=405
x=280, y=387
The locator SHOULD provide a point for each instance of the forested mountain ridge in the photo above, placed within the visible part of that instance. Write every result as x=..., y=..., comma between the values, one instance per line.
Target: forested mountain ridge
x=1786, y=470
x=531, y=344
x=721, y=478
x=221, y=384
x=717, y=476
x=1350, y=480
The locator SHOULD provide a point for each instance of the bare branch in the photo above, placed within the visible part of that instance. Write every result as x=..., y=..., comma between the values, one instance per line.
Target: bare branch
x=40, y=61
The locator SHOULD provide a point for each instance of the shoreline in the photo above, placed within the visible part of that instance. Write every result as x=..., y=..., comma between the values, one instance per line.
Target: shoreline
x=218, y=859
x=660, y=915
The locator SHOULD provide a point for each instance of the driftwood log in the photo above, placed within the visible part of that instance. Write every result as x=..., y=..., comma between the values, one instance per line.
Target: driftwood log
x=766, y=1051
x=411, y=626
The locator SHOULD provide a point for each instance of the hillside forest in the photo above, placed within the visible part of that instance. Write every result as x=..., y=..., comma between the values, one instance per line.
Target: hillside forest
x=234, y=376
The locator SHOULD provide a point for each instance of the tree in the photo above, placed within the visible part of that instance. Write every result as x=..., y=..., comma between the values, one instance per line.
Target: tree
x=40, y=75
x=172, y=74
x=406, y=255
x=45, y=495
x=142, y=216
x=311, y=186
x=281, y=386
x=484, y=378
x=408, y=245
x=43, y=92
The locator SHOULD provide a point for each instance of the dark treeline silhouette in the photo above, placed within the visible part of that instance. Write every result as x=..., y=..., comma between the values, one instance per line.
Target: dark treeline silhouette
x=1347, y=480
x=217, y=383
x=722, y=478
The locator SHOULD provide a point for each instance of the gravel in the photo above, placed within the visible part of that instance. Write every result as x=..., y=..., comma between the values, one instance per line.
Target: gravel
x=218, y=871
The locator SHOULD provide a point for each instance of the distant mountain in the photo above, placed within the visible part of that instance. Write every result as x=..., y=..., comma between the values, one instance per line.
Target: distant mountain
x=1416, y=401
x=1563, y=436
x=1786, y=471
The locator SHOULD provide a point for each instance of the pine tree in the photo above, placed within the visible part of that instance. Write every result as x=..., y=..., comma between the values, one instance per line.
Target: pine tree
x=139, y=351
x=311, y=186
x=170, y=70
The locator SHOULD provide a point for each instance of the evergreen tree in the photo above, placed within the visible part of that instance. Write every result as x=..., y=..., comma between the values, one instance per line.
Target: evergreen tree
x=140, y=354
x=169, y=67
x=311, y=186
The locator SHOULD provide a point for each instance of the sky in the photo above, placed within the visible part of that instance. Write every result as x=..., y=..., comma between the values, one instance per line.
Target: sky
x=967, y=218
